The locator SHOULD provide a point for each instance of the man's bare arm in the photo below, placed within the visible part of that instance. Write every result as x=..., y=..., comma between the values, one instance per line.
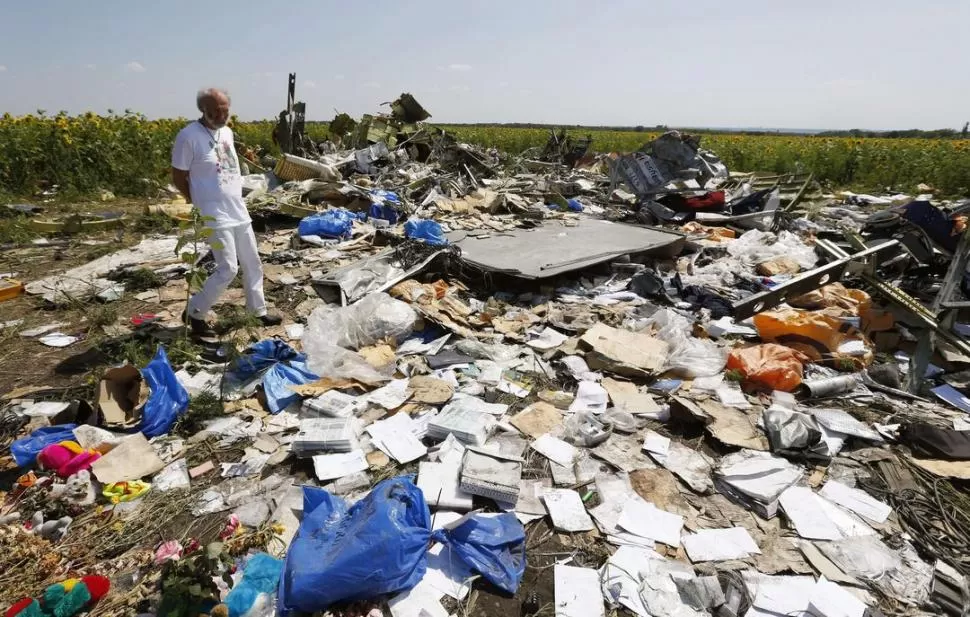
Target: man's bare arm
x=180, y=179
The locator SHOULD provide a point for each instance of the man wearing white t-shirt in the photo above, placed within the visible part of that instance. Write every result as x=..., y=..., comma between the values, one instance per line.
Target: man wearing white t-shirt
x=205, y=169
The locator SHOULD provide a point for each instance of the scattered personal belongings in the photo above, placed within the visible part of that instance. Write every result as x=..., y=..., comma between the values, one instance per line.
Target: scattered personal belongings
x=555, y=382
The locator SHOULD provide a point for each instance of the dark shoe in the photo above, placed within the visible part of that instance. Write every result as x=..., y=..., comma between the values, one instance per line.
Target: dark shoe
x=270, y=320
x=199, y=327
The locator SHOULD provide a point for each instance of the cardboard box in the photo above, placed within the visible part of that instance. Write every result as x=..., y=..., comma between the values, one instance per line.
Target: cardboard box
x=121, y=395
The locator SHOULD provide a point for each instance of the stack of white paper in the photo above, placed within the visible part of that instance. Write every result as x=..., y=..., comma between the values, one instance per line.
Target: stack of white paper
x=326, y=435
x=469, y=426
x=331, y=404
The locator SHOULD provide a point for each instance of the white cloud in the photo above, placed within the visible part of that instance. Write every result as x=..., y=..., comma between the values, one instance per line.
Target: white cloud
x=459, y=67
x=134, y=67
x=90, y=67
x=372, y=84
x=338, y=77
x=460, y=89
x=309, y=83
x=3, y=68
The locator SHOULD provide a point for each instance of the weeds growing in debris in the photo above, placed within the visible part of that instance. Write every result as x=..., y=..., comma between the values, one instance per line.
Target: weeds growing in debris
x=203, y=407
x=154, y=223
x=15, y=230
x=734, y=375
x=101, y=315
x=139, y=279
x=234, y=318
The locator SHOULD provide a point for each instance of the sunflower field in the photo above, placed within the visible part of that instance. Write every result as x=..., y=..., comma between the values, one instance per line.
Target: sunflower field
x=128, y=154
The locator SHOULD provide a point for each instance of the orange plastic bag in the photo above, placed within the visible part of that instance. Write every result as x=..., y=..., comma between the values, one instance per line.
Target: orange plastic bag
x=819, y=336
x=772, y=366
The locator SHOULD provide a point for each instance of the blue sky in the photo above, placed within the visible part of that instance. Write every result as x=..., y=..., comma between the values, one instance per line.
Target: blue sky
x=741, y=63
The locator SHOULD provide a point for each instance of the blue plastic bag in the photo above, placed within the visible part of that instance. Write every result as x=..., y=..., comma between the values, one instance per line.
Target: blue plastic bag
x=261, y=574
x=379, y=546
x=376, y=546
x=494, y=546
x=384, y=205
x=574, y=205
x=334, y=223
x=26, y=449
x=427, y=230
x=281, y=367
x=168, y=399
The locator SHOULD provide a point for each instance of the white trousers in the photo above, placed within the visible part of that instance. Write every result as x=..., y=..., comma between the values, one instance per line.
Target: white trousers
x=238, y=251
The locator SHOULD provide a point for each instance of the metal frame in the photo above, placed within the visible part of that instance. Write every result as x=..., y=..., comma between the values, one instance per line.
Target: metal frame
x=804, y=283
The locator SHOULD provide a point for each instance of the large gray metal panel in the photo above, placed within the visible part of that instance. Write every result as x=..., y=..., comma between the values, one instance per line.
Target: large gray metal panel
x=553, y=248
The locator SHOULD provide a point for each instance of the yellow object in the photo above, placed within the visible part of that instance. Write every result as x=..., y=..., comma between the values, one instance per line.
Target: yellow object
x=70, y=583
x=118, y=492
x=10, y=289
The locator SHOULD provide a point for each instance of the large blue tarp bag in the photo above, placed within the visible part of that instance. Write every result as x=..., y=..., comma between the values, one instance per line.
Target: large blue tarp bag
x=168, y=399
x=492, y=545
x=427, y=230
x=334, y=223
x=26, y=449
x=281, y=366
x=377, y=546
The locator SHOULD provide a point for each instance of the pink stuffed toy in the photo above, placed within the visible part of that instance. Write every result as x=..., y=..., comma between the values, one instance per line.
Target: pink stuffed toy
x=67, y=458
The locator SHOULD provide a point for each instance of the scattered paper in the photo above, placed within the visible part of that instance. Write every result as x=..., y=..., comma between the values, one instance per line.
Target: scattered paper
x=856, y=500
x=578, y=592
x=620, y=577
x=391, y=396
x=627, y=397
x=567, y=510
x=646, y=520
x=555, y=449
x=806, y=512
x=175, y=475
x=333, y=466
x=657, y=445
x=781, y=595
x=58, y=339
x=720, y=544
x=395, y=437
x=439, y=483
x=590, y=396
x=294, y=331
x=446, y=572
x=547, y=339
x=831, y=600
x=419, y=601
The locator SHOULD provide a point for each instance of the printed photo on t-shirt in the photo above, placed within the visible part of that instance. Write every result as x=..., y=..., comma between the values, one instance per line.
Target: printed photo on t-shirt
x=227, y=166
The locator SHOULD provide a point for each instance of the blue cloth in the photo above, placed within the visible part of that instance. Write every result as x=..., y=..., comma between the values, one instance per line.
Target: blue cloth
x=261, y=574
x=26, y=449
x=281, y=367
x=427, y=230
x=168, y=399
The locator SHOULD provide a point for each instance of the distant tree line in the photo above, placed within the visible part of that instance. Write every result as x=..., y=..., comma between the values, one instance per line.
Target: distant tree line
x=931, y=134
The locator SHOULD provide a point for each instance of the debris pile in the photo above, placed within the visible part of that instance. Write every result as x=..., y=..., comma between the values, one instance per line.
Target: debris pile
x=561, y=383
